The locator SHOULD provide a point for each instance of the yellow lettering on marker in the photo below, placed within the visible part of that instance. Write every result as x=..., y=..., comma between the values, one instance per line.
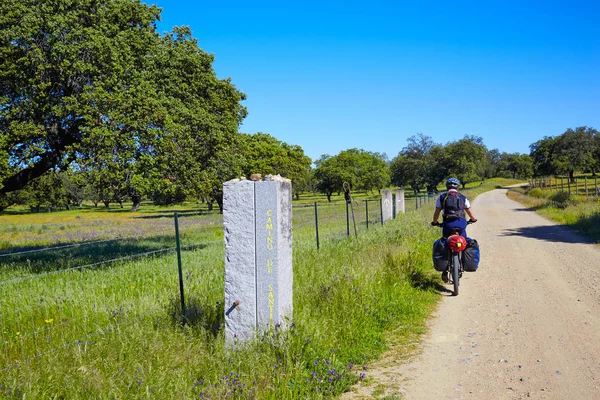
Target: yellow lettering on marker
x=270, y=266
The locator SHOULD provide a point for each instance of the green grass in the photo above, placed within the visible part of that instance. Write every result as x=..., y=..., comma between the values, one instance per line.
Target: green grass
x=575, y=211
x=115, y=330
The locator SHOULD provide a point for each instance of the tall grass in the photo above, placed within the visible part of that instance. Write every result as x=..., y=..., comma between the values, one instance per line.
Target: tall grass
x=116, y=330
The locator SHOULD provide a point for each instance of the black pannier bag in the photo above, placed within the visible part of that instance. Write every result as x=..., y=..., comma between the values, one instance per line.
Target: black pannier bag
x=471, y=256
x=441, y=255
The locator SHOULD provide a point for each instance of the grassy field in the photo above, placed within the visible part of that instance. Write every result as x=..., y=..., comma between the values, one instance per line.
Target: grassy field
x=113, y=329
x=577, y=211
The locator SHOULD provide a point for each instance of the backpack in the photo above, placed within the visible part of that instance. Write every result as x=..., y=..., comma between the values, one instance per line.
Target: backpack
x=453, y=204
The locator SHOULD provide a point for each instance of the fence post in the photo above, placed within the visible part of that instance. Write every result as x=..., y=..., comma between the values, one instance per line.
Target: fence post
x=416, y=201
x=178, y=246
x=562, y=185
x=569, y=185
x=367, y=212
x=585, y=182
x=317, y=224
x=381, y=210
x=347, y=221
x=596, y=186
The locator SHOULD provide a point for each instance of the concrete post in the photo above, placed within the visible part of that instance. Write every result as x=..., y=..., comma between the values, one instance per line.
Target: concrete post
x=386, y=196
x=400, y=202
x=257, y=218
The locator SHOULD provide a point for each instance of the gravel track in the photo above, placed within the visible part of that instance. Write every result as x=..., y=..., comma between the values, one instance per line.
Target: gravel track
x=526, y=325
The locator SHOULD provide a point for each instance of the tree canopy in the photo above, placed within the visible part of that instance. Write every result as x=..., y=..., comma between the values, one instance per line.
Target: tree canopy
x=362, y=170
x=92, y=84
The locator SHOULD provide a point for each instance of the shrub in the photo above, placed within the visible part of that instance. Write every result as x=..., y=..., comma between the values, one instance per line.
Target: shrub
x=536, y=192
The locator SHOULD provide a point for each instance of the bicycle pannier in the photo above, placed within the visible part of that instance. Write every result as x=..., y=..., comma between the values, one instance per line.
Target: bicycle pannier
x=471, y=256
x=440, y=255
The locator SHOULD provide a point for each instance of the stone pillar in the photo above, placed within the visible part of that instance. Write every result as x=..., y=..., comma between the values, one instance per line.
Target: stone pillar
x=386, y=205
x=257, y=218
x=400, y=202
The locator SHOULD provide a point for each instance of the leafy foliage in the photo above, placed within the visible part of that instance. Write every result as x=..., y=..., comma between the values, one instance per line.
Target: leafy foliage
x=93, y=82
x=362, y=170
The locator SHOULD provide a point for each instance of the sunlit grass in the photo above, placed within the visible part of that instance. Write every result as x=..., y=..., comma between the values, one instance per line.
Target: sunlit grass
x=116, y=330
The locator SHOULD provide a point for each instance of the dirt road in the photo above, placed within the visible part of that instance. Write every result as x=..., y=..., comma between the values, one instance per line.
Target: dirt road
x=526, y=325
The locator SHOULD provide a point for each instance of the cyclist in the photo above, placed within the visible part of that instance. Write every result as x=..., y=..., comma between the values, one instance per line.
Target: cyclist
x=454, y=206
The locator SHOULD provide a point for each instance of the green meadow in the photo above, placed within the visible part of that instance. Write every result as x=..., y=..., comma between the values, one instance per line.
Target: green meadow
x=103, y=319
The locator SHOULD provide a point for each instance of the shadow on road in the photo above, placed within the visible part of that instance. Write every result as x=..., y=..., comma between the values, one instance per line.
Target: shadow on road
x=549, y=233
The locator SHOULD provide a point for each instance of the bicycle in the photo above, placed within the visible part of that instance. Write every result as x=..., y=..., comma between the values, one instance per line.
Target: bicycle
x=457, y=244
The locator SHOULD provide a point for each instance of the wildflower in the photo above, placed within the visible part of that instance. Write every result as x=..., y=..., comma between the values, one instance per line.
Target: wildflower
x=196, y=383
x=132, y=286
x=314, y=374
x=326, y=362
x=350, y=366
x=49, y=321
x=362, y=376
x=364, y=367
x=317, y=362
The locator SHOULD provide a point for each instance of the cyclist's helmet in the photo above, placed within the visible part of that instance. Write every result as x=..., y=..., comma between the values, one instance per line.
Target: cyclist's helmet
x=452, y=183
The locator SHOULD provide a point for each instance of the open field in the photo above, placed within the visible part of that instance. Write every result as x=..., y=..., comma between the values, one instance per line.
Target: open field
x=113, y=329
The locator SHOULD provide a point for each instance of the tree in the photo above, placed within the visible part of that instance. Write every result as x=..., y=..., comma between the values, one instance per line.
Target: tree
x=421, y=164
x=466, y=159
x=266, y=155
x=542, y=153
x=574, y=151
x=65, y=67
x=93, y=82
x=45, y=191
x=408, y=171
x=362, y=170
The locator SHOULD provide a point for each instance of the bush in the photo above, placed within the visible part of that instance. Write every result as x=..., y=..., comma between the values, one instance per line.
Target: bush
x=537, y=193
x=560, y=197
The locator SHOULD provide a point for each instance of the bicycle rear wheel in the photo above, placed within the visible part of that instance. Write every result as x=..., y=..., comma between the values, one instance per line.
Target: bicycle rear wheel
x=455, y=272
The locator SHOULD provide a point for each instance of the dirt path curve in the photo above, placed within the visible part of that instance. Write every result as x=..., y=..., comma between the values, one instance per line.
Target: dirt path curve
x=526, y=325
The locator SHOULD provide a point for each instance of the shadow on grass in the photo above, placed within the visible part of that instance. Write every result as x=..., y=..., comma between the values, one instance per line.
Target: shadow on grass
x=81, y=254
x=198, y=313
x=180, y=213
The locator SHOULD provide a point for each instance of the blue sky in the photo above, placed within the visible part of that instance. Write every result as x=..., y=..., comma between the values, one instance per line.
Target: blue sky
x=329, y=76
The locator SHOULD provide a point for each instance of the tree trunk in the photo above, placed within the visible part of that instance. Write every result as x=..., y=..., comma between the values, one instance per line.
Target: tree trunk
x=572, y=176
x=329, y=196
x=136, y=199
x=210, y=205
x=106, y=203
x=297, y=196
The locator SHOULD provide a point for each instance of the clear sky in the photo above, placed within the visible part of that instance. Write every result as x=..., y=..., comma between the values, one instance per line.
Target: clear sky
x=329, y=76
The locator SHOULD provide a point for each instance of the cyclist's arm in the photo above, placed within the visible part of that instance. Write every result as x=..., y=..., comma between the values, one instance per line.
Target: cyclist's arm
x=436, y=214
x=471, y=215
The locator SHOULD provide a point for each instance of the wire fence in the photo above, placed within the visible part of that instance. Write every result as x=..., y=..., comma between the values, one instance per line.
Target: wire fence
x=70, y=294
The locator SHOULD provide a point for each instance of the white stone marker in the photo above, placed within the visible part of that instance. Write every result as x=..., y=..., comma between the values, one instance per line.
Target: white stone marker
x=257, y=218
x=386, y=204
x=400, y=202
